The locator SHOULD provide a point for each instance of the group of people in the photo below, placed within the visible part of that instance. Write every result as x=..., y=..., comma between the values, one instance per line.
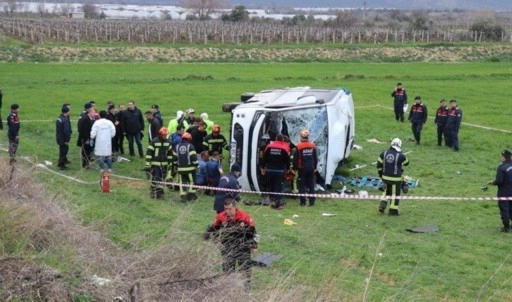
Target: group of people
x=447, y=119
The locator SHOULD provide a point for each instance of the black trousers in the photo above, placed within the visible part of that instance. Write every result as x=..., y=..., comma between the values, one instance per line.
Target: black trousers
x=156, y=189
x=452, y=138
x=440, y=134
x=416, y=130
x=63, y=155
x=306, y=182
x=505, y=212
x=86, y=153
x=399, y=113
x=230, y=258
x=275, y=185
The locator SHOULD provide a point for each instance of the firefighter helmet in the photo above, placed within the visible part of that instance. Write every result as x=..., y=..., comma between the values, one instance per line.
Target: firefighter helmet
x=396, y=144
x=186, y=136
x=304, y=133
x=163, y=132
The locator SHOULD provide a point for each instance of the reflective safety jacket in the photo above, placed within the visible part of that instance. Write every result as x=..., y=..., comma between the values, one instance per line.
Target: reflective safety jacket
x=305, y=156
x=159, y=153
x=214, y=143
x=389, y=165
x=185, y=157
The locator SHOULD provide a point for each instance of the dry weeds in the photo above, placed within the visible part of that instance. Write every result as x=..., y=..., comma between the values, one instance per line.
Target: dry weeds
x=34, y=225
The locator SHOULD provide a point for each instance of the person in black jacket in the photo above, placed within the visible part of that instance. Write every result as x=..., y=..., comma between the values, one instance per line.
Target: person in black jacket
x=84, y=126
x=155, y=109
x=63, y=134
x=198, y=132
x=418, y=116
x=440, y=121
x=133, y=128
x=13, y=133
x=389, y=167
x=114, y=118
x=400, y=100
x=229, y=183
x=154, y=125
x=453, y=125
x=504, y=182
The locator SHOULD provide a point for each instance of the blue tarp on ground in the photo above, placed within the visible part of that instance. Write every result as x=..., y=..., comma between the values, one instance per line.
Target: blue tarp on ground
x=374, y=182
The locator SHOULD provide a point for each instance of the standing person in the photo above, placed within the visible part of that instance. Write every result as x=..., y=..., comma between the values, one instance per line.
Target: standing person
x=185, y=159
x=113, y=117
x=189, y=118
x=206, y=120
x=453, y=125
x=13, y=132
x=133, y=128
x=102, y=132
x=202, y=175
x=1, y=97
x=155, y=109
x=504, y=182
x=276, y=161
x=84, y=126
x=63, y=134
x=235, y=230
x=179, y=120
x=198, y=133
x=215, y=141
x=175, y=138
x=158, y=162
x=418, y=117
x=389, y=167
x=154, y=125
x=305, y=161
x=120, y=118
x=440, y=121
x=229, y=184
x=400, y=100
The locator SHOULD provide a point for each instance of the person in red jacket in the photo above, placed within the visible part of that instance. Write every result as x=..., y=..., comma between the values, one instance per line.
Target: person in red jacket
x=305, y=161
x=235, y=230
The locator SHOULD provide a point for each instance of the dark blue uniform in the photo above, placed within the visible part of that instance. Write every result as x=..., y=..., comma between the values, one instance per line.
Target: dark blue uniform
x=230, y=182
x=504, y=182
x=63, y=135
x=400, y=99
x=418, y=116
x=452, y=128
x=440, y=121
x=389, y=167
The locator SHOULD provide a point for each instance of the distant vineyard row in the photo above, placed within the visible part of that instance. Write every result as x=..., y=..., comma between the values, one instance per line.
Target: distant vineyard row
x=40, y=31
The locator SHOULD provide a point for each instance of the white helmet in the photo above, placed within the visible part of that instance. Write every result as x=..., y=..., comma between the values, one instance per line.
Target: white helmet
x=204, y=116
x=396, y=144
x=179, y=113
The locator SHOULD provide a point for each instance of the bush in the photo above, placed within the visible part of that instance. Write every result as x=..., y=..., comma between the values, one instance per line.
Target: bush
x=489, y=31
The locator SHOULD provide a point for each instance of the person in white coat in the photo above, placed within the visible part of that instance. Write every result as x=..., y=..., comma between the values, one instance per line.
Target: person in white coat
x=102, y=132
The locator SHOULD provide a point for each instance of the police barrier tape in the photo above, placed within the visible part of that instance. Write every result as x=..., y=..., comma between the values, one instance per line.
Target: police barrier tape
x=323, y=195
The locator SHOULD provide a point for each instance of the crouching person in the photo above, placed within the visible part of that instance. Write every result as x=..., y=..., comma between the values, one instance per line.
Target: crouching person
x=234, y=229
x=158, y=161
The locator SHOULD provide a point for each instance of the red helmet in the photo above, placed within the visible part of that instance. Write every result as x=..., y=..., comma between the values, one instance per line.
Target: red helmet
x=163, y=132
x=186, y=136
x=216, y=128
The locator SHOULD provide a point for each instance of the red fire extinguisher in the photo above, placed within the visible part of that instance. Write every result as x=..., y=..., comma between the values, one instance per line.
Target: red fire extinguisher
x=105, y=182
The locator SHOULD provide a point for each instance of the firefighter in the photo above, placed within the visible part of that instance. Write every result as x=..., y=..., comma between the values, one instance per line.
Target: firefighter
x=158, y=162
x=452, y=125
x=276, y=161
x=215, y=141
x=13, y=132
x=185, y=159
x=440, y=121
x=400, y=100
x=418, y=117
x=305, y=161
x=503, y=180
x=389, y=167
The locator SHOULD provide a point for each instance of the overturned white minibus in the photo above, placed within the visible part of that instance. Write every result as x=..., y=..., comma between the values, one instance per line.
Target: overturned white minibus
x=328, y=114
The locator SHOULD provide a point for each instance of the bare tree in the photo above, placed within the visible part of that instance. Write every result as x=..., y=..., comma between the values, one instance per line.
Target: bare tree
x=203, y=8
x=91, y=11
x=10, y=6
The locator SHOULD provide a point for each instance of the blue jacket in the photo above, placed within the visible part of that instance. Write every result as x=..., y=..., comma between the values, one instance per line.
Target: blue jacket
x=230, y=182
x=504, y=179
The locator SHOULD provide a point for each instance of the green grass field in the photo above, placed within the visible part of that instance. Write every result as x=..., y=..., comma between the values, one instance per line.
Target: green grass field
x=467, y=259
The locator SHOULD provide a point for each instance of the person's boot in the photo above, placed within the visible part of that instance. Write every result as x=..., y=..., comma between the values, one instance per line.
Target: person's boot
x=192, y=196
x=183, y=198
x=505, y=228
x=382, y=206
